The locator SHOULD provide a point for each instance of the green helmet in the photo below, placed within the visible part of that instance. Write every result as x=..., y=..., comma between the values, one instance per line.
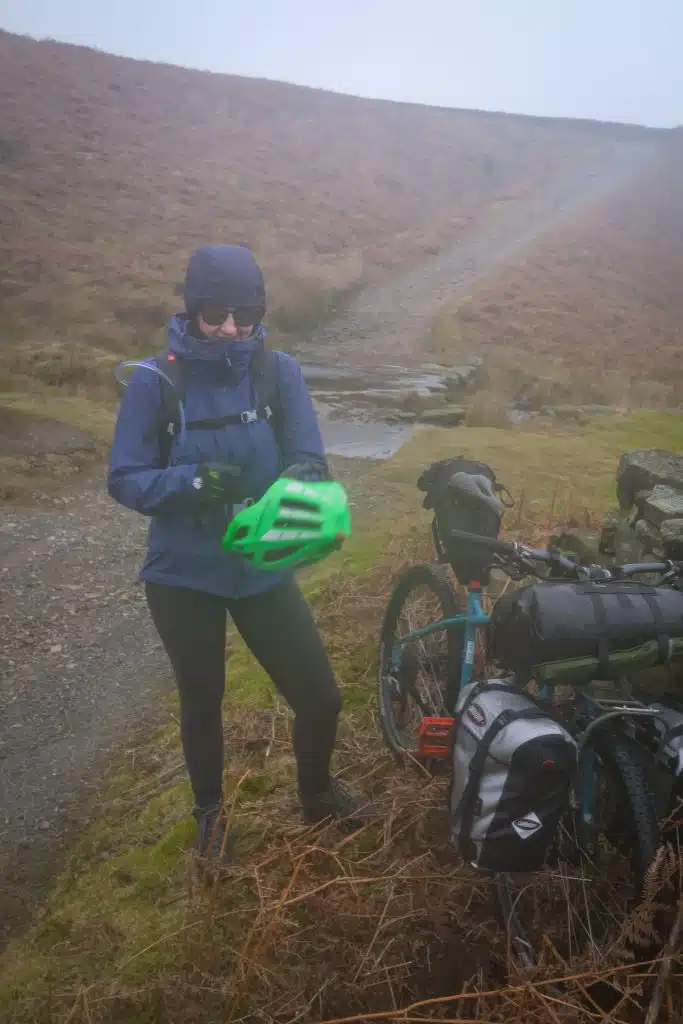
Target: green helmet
x=294, y=524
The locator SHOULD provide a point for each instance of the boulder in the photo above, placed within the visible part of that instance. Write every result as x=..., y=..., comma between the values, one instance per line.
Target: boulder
x=608, y=534
x=629, y=546
x=565, y=412
x=445, y=416
x=580, y=413
x=463, y=377
x=663, y=503
x=643, y=469
x=649, y=538
x=581, y=544
x=402, y=416
x=671, y=532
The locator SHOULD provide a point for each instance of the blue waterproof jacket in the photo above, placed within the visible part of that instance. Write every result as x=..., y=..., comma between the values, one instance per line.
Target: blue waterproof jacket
x=183, y=548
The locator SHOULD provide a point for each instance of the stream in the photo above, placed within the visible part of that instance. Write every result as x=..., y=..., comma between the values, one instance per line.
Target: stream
x=354, y=405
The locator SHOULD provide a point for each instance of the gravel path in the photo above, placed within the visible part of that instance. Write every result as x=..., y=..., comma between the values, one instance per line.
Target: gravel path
x=80, y=667
x=383, y=324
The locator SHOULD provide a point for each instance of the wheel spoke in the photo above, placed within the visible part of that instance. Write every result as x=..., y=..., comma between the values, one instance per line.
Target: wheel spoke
x=582, y=903
x=417, y=669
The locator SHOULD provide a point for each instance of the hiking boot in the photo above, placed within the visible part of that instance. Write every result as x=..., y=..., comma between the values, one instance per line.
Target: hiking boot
x=336, y=803
x=213, y=842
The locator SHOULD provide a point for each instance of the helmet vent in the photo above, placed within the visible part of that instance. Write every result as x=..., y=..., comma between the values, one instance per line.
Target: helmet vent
x=299, y=504
x=285, y=523
x=296, y=513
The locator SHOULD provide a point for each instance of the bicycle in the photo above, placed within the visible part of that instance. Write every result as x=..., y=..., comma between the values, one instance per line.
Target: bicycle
x=616, y=806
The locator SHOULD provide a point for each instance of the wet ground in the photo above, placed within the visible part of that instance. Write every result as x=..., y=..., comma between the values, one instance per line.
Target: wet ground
x=355, y=405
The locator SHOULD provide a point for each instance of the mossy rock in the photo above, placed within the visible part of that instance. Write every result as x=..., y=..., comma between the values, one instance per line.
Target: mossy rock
x=446, y=416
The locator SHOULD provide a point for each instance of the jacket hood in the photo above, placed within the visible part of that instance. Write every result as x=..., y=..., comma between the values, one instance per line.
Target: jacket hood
x=228, y=274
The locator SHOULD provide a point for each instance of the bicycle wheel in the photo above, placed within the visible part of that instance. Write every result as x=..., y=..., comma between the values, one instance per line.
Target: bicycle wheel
x=418, y=678
x=579, y=905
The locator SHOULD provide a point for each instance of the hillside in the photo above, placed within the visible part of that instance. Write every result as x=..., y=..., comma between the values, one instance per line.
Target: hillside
x=111, y=170
x=595, y=307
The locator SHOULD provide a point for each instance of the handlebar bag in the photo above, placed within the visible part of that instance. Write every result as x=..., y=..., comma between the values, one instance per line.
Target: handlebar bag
x=457, y=511
x=555, y=621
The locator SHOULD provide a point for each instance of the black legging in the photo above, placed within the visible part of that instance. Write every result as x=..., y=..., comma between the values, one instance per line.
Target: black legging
x=278, y=628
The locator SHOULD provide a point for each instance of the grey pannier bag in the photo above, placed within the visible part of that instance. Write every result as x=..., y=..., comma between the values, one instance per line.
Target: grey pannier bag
x=513, y=766
x=667, y=747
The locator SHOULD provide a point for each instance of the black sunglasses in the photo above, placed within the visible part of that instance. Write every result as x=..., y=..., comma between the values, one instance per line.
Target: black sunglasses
x=244, y=316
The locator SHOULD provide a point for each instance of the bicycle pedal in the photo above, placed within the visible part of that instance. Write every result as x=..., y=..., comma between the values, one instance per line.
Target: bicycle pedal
x=435, y=737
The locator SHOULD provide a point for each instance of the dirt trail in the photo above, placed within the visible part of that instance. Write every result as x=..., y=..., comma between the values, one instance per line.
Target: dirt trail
x=383, y=323
x=79, y=664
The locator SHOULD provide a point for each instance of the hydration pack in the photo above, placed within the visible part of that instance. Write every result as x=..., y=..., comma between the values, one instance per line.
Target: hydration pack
x=264, y=371
x=513, y=766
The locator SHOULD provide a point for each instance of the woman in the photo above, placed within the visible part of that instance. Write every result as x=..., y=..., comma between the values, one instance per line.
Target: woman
x=229, y=448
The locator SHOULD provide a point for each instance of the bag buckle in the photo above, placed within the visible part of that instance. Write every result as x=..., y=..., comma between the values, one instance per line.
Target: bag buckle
x=436, y=737
x=250, y=416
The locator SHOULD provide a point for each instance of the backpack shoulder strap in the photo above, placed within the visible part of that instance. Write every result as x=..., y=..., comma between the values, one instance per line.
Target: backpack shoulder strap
x=265, y=372
x=172, y=386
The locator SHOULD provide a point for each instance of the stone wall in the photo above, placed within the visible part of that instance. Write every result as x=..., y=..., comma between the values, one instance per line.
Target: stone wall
x=647, y=524
x=649, y=520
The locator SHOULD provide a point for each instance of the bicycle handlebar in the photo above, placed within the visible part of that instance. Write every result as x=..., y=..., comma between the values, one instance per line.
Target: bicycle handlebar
x=556, y=558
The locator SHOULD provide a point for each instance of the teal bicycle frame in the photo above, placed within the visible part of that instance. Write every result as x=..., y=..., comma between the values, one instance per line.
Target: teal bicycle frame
x=475, y=618
x=472, y=621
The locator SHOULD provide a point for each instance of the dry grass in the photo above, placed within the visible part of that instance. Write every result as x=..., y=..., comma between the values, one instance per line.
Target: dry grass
x=594, y=313
x=112, y=170
x=319, y=926
x=49, y=442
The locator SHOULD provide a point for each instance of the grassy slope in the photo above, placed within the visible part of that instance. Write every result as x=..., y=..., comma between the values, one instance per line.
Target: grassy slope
x=596, y=305
x=129, y=935
x=112, y=170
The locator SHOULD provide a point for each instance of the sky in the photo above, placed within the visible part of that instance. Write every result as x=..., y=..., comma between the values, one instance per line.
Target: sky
x=607, y=59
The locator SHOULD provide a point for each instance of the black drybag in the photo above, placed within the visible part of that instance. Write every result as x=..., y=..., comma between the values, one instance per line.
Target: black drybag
x=556, y=621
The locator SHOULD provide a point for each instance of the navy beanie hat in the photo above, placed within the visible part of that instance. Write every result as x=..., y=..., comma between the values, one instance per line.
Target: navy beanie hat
x=228, y=274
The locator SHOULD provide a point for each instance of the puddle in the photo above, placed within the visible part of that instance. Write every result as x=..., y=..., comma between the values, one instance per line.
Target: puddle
x=352, y=403
x=357, y=433
x=362, y=440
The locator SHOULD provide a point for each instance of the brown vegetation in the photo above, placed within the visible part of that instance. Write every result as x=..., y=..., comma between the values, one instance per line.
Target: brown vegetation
x=594, y=312
x=112, y=170
x=312, y=927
